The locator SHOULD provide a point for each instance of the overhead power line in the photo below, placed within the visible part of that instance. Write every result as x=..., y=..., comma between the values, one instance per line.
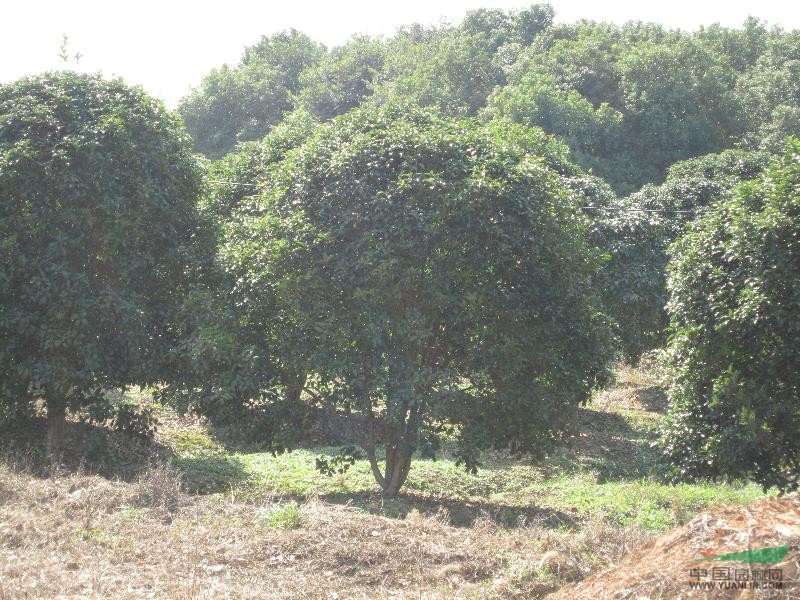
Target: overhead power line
x=231, y=182
x=626, y=209
x=618, y=209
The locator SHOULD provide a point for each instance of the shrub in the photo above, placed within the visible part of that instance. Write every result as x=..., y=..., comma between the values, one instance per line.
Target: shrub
x=429, y=273
x=735, y=347
x=98, y=187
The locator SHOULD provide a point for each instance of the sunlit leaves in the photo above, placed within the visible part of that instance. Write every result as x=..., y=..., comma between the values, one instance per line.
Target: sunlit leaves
x=98, y=226
x=734, y=353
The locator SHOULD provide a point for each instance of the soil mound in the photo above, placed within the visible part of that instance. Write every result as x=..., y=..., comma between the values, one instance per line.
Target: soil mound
x=728, y=552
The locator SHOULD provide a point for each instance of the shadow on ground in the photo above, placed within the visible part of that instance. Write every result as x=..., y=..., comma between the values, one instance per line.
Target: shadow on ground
x=653, y=399
x=210, y=473
x=607, y=443
x=458, y=513
x=88, y=448
x=114, y=455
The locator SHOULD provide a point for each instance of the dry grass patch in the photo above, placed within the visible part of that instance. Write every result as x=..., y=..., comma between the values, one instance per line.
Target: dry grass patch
x=71, y=536
x=635, y=389
x=272, y=527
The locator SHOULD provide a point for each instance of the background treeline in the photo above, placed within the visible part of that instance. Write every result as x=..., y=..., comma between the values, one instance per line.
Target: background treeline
x=629, y=100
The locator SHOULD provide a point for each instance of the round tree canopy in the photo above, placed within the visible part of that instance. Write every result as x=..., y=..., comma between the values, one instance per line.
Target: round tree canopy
x=435, y=270
x=735, y=346
x=97, y=212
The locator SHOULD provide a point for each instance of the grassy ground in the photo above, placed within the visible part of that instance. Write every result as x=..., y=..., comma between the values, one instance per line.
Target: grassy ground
x=608, y=471
x=218, y=523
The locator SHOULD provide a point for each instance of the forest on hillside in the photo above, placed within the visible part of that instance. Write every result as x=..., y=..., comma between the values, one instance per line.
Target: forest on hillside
x=629, y=101
x=451, y=233
x=471, y=311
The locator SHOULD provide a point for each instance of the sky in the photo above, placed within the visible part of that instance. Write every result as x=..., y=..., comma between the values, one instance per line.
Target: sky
x=167, y=46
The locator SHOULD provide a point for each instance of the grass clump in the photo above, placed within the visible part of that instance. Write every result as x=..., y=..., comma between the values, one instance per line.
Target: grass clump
x=283, y=516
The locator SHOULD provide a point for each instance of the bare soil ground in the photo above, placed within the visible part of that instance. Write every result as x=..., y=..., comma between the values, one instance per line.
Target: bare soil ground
x=665, y=567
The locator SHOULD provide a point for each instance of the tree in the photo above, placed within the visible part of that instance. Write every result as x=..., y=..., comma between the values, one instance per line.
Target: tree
x=451, y=70
x=242, y=103
x=238, y=175
x=585, y=64
x=770, y=94
x=433, y=274
x=530, y=22
x=343, y=79
x=499, y=27
x=227, y=365
x=672, y=95
x=743, y=46
x=636, y=232
x=594, y=135
x=629, y=101
x=678, y=103
x=98, y=188
x=494, y=25
x=735, y=347
x=456, y=68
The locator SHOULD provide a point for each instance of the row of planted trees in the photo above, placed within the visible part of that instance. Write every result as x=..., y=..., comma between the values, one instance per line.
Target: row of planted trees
x=393, y=271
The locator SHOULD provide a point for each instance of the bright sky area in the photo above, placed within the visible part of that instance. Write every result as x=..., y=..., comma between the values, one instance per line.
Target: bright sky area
x=168, y=46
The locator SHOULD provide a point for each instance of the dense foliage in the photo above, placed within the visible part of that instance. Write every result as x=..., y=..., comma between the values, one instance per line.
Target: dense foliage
x=97, y=220
x=427, y=273
x=453, y=230
x=228, y=364
x=629, y=100
x=637, y=231
x=672, y=121
x=735, y=346
x=343, y=78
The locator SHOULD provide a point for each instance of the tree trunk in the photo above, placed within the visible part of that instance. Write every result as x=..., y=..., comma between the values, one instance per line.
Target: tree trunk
x=294, y=386
x=399, y=430
x=398, y=464
x=56, y=424
x=373, y=463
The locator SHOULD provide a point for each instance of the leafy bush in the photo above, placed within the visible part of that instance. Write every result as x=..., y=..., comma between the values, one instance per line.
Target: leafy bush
x=426, y=271
x=98, y=191
x=636, y=232
x=225, y=365
x=735, y=346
